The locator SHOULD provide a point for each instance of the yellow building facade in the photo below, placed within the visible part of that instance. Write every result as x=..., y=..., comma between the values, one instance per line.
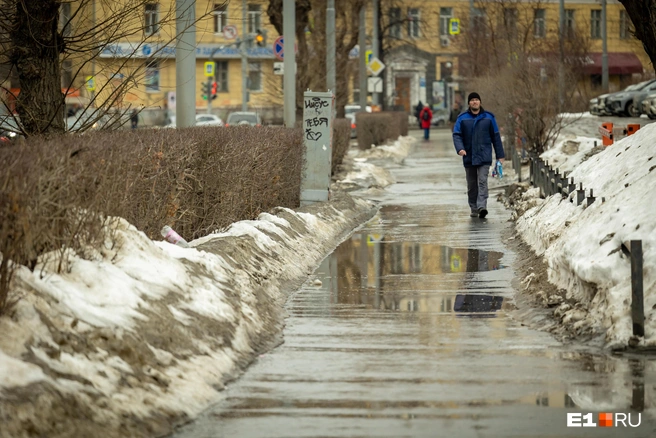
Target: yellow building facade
x=431, y=40
x=147, y=58
x=424, y=43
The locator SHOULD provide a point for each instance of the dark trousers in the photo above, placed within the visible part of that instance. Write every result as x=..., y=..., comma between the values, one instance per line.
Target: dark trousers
x=426, y=133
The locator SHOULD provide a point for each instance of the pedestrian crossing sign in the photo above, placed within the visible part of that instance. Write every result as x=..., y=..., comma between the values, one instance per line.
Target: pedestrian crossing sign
x=454, y=26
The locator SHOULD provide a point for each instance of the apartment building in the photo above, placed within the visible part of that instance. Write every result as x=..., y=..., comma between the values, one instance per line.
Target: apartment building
x=430, y=37
x=423, y=46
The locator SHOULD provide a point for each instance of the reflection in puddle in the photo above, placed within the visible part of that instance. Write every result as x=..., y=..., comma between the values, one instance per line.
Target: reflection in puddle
x=413, y=277
x=474, y=305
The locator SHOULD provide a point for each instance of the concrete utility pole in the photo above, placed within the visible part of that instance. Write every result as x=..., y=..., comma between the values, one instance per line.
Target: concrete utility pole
x=561, y=63
x=330, y=47
x=289, y=41
x=362, y=42
x=185, y=62
x=374, y=45
x=244, y=58
x=604, y=49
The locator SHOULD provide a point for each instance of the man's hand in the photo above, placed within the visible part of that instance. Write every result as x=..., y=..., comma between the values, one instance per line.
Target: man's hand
x=462, y=153
x=501, y=160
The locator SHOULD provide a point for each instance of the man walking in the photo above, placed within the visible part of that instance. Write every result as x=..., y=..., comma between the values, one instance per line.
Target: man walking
x=474, y=134
x=425, y=118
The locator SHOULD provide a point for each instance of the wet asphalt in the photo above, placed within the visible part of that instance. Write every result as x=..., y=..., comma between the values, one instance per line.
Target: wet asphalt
x=413, y=333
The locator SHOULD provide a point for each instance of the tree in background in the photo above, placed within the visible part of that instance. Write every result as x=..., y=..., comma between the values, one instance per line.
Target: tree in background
x=514, y=64
x=641, y=13
x=311, y=43
x=38, y=38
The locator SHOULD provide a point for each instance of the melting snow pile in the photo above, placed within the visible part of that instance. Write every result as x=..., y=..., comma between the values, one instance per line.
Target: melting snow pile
x=365, y=174
x=582, y=244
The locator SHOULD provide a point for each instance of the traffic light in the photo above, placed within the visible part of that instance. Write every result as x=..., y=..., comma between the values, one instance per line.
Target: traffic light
x=214, y=90
x=260, y=38
x=206, y=90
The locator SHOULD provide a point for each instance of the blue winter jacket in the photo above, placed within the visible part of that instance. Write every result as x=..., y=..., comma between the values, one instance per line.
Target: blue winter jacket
x=476, y=134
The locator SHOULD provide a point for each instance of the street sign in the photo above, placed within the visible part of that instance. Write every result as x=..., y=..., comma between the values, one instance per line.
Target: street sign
x=209, y=69
x=454, y=26
x=229, y=32
x=279, y=48
x=279, y=68
x=375, y=66
x=375, y=85
x=368, y=55
x=90, y=83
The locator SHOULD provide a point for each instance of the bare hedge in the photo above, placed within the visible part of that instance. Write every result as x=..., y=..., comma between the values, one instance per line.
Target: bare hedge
x=341, y=139
x=55, y=193
x=398, y=125
x=372, y=128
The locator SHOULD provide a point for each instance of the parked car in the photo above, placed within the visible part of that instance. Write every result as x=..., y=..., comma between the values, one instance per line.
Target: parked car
x=244, y=118
x=598, y=105
x=352, y=109
x=622, y=103
x=649, y=106
x=87, y=121
x=201, y=120
x=9, y=126
x=440, y=119
x=641, y=95
x=208, y=120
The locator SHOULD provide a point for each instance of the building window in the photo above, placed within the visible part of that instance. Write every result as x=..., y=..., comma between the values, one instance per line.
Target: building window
x=220, y=18
x=540, y=23
x=395, y=22
x=222, y=75
x=413, y=23
x=65, y=19
x=254, y=15
x=255, y=76
x=626, y=26
x=510, y=21
x=67, y=73
x=479, y=22
x=569, y=23
x=595, y=23
x=152, y=75
x=445, y=15
x=151, y=15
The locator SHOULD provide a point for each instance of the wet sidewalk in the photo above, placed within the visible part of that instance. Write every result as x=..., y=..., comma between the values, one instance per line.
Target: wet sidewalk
x=411, y=334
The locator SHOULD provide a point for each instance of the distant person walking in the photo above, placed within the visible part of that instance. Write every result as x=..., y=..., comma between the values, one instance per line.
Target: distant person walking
x=418, y=108
x=474, y=134
x=134, y=119
x=425, y=117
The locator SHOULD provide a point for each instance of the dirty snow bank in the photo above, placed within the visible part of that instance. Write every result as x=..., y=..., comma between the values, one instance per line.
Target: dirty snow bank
x=365, y=174
x=140, y=335
x=582, y=244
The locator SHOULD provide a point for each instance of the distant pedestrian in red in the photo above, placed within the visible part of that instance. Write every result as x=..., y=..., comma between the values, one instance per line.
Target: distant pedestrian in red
x=425, y=116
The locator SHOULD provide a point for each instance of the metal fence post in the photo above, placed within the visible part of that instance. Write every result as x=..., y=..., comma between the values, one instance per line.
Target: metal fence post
x=637, y=302
x=580, y=195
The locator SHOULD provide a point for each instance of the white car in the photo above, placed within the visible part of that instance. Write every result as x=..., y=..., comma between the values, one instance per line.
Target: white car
x=208, y=120
x=244, y=118
x=201, y=120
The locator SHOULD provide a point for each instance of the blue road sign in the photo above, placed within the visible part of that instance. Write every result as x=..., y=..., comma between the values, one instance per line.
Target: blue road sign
x=279, y=48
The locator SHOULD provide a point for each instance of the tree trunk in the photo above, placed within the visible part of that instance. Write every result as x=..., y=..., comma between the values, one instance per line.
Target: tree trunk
x=642, y=13
x=36, y=45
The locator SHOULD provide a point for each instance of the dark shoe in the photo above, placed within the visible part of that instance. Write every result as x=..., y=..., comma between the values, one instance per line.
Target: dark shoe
x=473, y=214
x=482, y=212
